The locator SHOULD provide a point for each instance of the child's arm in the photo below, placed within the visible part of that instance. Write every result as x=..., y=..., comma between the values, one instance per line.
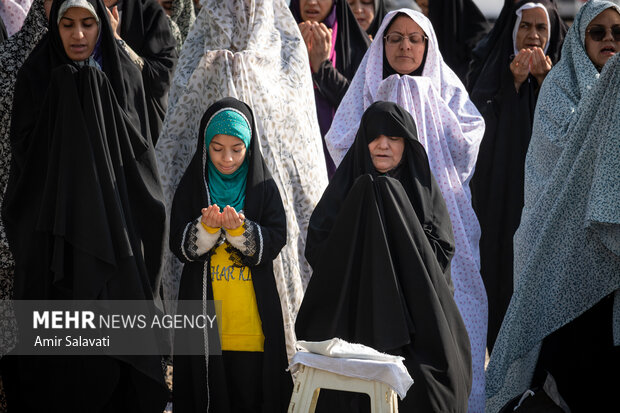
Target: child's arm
x=262, y=242
x=198, y=239
x=193, y=240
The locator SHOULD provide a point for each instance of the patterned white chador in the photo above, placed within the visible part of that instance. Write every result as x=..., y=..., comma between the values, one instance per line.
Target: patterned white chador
x=253, y=51
x=451, y=129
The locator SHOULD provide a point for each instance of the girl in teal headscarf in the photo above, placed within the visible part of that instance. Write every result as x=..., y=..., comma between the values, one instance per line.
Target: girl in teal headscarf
x=227, y=225
x=227, y=140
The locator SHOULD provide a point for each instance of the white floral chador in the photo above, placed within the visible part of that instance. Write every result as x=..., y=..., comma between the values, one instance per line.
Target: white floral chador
x=253, y=51
x=450, y=128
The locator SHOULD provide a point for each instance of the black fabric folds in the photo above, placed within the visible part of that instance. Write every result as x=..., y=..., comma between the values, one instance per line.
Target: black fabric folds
x=459, y=25
x=380, y=248
x=380, y=12
x=3, y=34
x=145, y=28
x=263, y=206
x=487, y=44
x=123, y=75
x=84, y=217
x=84, y=220
x=497, y=184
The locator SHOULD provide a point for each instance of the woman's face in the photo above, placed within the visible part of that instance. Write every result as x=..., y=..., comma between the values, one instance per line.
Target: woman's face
x=533, y=30
x=315, y=10
x=603, y=37
x=404, y=44
x=78, y=31
x=386, y=152
x=227, y=153
x=364, y=11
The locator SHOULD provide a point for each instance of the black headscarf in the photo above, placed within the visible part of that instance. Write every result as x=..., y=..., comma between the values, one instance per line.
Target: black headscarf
x=388, y=70
x=145, y=28
x=380, y=248
x=351, y=40
x=122, y=73
x=54, y=164
x=263, y=206
x=380, y=12
x=459, y=25
x=497, y=184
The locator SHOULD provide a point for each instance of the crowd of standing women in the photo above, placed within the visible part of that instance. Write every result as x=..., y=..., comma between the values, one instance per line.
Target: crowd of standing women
x=411, y=179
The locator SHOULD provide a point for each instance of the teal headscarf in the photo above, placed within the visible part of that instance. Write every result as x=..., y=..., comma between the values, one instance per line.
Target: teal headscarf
x=228, y=189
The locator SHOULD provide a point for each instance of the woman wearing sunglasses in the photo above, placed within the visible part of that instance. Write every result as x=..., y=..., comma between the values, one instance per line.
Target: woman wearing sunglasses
x=567, y=247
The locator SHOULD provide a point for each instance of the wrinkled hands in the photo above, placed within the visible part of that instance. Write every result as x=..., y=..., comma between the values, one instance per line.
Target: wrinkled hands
x=529, y=61
x=318, y=39
x=228, y=219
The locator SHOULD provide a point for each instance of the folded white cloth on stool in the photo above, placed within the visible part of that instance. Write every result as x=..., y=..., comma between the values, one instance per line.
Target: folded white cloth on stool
x=354, y=360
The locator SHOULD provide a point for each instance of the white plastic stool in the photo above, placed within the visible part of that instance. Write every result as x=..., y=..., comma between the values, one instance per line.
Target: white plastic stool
x=311, y=380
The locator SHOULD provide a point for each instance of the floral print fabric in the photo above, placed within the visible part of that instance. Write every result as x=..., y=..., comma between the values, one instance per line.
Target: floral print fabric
x=567, y=247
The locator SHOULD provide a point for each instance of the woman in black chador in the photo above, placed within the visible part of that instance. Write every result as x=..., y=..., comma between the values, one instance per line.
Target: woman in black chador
x=506, y=74
x=380, y=243
x=227, y=226
x=82, y=211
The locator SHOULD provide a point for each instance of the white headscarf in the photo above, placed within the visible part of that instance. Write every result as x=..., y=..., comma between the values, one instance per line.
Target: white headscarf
x=13, y=13
x=519, y=12
x=251, y=50
x=450, y=128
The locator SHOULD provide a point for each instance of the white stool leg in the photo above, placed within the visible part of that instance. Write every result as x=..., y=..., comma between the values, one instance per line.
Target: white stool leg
x=305, y=392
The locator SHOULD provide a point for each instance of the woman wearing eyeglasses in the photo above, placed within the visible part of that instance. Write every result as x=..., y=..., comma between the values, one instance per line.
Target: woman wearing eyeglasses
x=504, y=82
x=567, y=247
x=404, y=65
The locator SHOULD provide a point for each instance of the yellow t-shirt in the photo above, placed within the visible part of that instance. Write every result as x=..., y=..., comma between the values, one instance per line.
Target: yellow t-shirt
x=240, y=325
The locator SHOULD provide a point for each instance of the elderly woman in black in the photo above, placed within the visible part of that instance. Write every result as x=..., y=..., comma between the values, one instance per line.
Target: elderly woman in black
x=380, y=244
x=83, y=211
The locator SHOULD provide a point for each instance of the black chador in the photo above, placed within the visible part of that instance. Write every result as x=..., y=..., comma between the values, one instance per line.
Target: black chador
x=145, y=28
x=380, y=247
x=497, y=184
x=84, y=218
